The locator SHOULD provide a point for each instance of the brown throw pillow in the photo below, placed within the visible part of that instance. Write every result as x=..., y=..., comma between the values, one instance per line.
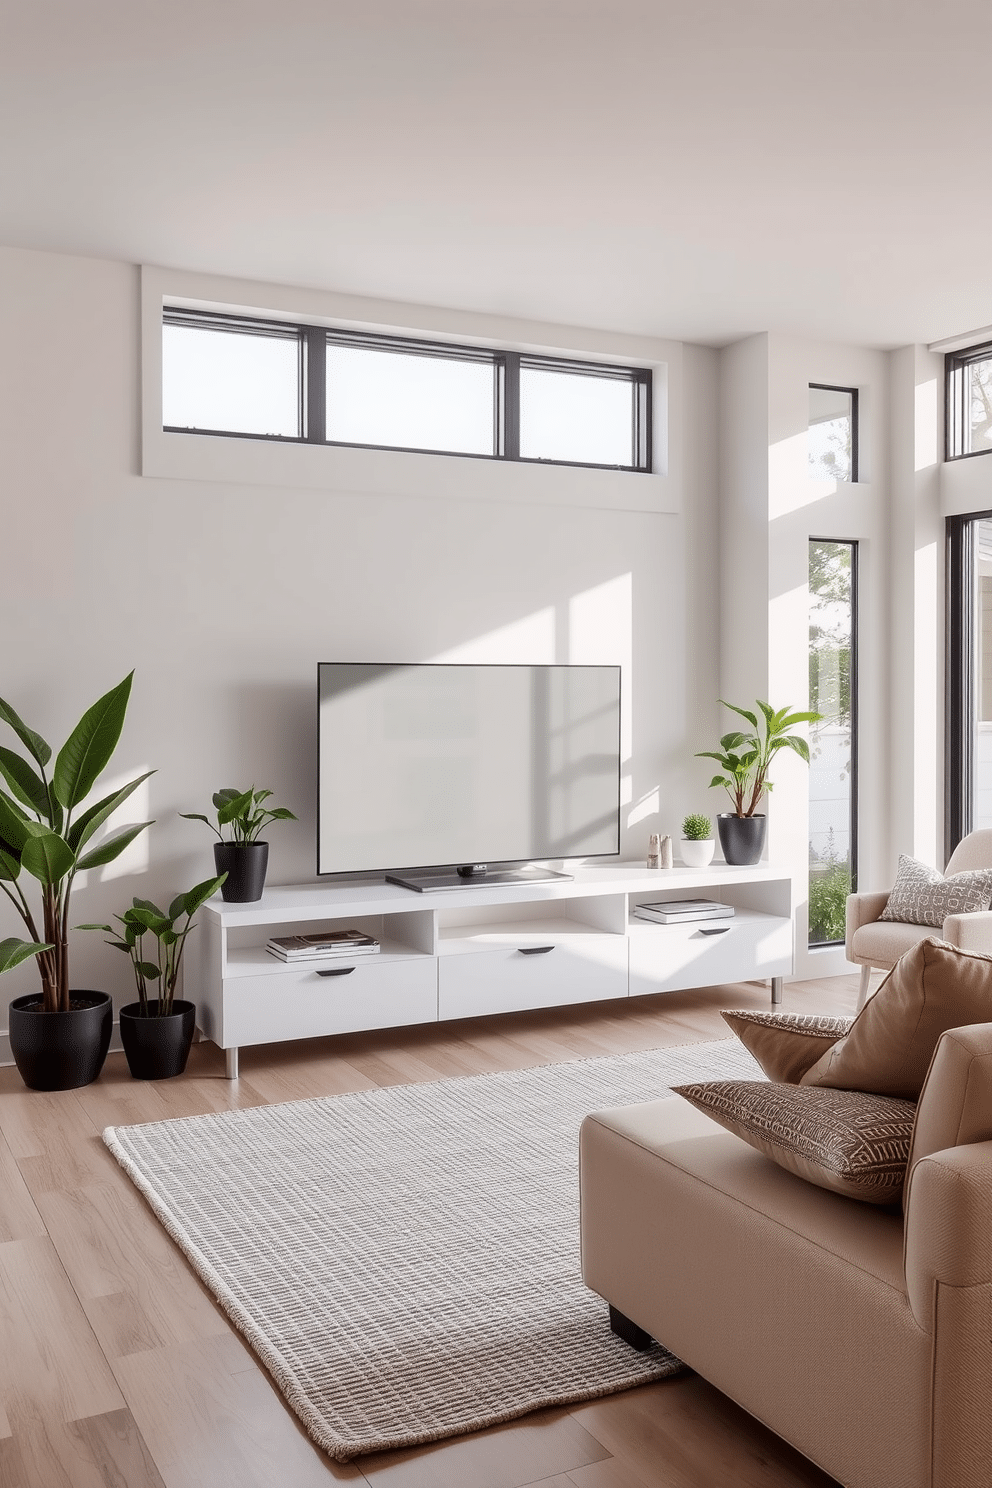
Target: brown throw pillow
x=923, y=896
x=844, y=1140
x=785, y=1044
x=933, y=987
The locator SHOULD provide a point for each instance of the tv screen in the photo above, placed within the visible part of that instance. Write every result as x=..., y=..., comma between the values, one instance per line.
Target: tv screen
x=436, y=765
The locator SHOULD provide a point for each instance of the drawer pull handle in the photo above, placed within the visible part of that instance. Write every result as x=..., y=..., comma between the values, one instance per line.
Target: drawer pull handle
x=535, y=950
x=716, y=930
x=335, y=970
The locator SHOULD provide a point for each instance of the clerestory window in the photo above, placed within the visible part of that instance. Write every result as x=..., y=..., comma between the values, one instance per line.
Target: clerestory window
x=262, y=379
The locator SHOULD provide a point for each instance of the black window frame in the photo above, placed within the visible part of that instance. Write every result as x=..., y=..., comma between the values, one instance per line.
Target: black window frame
x=314, y=339
x=852, y=392
x=956, y=412
x=854, y=544
x=959, y=773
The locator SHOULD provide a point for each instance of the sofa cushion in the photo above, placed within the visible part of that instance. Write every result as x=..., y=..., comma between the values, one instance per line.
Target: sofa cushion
x=785, y=1044
x=847, y=1141
x=933, y=987
x=923, y=896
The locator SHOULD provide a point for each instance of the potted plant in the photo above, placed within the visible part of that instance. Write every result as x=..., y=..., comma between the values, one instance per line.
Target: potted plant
x=242, y=858
x=60, y=1036
x=157, y=1032
x=697, y=841
x=745, y=759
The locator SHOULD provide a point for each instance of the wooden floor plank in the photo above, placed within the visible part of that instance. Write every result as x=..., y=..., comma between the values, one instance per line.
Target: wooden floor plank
x=682, y=1433
x=19, y=1215
x=105, y=1451
x=51, y=1366
x=541, y=1445
x=133, y=1281
x=212, y=1418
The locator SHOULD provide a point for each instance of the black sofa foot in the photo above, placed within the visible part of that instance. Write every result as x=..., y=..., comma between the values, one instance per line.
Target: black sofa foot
x=628, y=1331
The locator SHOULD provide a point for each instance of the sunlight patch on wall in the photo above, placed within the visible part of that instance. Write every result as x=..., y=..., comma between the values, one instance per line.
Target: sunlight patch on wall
x=927, y=424
x=137, y=855
x=600, y=633
x=529, y=641
x=789, y=485
x=648, y=805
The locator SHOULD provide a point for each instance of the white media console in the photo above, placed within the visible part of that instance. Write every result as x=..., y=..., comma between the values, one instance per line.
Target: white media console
x=469, y=951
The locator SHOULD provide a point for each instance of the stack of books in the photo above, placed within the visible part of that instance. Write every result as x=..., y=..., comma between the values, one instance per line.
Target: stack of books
x=674, y=911
x=325, y=946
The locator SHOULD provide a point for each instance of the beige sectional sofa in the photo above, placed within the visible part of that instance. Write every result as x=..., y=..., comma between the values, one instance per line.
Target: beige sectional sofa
x=860, y=1334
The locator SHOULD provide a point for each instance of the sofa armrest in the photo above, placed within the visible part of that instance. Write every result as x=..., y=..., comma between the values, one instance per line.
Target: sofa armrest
x=948, y=1220
x=955, y=1106
x=970, y=932
x=862, y=909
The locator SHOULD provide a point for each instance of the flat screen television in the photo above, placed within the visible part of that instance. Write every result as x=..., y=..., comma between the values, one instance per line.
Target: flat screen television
x=446, y=774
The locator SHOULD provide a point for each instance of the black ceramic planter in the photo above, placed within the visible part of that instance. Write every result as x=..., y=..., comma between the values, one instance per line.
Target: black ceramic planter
x=741, y=837
x=245, y=864
x=157, y=1047
x=60, y=1051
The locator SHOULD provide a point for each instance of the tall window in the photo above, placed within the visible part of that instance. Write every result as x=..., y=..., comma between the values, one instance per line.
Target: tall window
x=833, y=432
x=229, y=374
x=833, y=741
x=969, y=711
x=969, y=402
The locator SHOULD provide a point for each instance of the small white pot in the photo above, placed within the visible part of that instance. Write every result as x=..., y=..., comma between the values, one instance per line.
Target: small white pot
x=697, y=854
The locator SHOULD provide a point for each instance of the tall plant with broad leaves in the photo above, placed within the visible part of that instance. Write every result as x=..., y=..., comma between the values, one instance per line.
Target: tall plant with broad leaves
x=42, y=837
x=746, y=758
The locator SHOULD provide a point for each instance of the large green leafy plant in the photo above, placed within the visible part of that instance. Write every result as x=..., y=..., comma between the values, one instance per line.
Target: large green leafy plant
x=43, y=839
x=169, y=928
x=244, y=812
x=746, y=758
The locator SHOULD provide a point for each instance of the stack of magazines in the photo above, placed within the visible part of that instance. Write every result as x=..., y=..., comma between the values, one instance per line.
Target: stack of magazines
x=324, y=946
x=674, y=911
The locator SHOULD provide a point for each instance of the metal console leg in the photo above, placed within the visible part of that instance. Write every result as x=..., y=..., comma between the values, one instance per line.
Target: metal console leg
x=777, y=983
x=231, y=1056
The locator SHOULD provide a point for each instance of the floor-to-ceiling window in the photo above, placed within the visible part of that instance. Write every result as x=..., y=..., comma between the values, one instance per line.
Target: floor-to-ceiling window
x=833, y=740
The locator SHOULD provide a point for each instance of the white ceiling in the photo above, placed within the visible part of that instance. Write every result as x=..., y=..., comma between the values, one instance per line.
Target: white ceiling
x=692, y=168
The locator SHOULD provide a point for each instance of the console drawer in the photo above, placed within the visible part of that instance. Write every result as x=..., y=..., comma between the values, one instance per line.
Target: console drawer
x=506, y=979
x=668, y=958
x=302, y=1004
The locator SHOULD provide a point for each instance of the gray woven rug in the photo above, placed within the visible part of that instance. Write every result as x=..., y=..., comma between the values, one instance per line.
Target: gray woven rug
x=405, y=1260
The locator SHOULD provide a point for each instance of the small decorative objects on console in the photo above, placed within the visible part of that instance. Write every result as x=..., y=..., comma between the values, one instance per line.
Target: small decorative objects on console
x=243, y=859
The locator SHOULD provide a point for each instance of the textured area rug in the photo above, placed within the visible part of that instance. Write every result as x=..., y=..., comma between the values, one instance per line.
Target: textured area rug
x=405, y=1260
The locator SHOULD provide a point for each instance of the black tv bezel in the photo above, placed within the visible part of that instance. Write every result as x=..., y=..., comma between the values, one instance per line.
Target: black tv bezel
x=495, y=863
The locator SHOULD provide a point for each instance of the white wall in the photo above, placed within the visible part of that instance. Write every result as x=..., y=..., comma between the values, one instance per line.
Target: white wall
x=223, y=594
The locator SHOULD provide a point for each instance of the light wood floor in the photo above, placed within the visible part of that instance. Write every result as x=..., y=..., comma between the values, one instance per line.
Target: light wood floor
x=116, y=1368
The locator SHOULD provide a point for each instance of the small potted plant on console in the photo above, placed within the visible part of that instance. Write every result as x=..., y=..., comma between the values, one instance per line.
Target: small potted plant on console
x=242, y=858
x=745, y=759
x=157, y=1032
x=697, y=841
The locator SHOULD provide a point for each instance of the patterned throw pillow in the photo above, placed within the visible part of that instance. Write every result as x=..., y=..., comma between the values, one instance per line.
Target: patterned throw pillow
x=851, y=1143
x=923, y=896
x=786, y=1045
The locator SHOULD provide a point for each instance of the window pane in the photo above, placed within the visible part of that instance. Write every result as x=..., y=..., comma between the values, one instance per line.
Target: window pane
x=978, y=392
x=410, y=401
x=832, y=764
x=831, y=433
x=237, y=382
x=981, y=722
x=576, y=416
